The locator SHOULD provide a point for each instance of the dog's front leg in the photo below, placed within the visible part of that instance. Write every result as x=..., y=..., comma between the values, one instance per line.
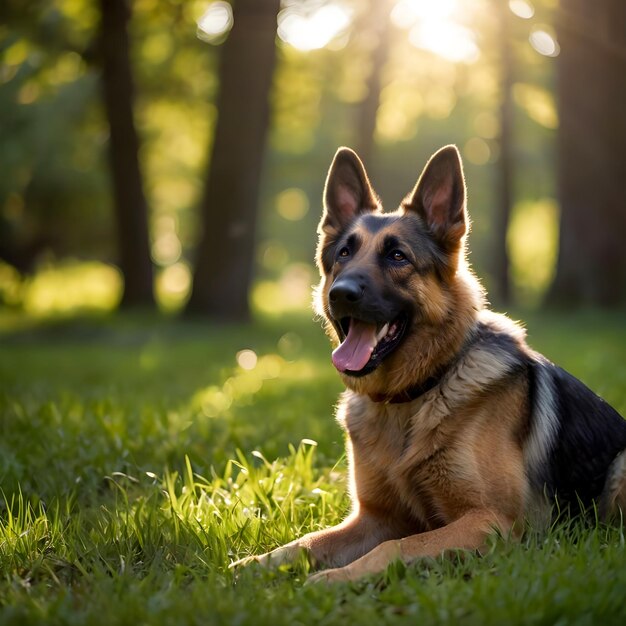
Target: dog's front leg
x=334, y=547
x=469, y=532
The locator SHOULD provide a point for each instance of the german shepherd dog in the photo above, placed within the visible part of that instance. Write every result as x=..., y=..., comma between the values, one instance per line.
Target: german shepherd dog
x=455, y=427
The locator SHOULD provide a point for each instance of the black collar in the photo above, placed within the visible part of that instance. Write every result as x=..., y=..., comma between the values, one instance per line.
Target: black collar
x=408, y=395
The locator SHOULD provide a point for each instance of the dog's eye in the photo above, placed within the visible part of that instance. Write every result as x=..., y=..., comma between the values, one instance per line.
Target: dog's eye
x=397, y=255
x=344, y=252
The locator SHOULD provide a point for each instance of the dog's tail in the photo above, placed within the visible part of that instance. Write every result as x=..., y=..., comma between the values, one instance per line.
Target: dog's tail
x=612, y=504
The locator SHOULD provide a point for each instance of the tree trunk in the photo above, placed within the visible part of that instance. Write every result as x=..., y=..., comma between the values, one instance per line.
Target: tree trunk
x=375, y=29
x=501, y=264
x=225, y=255
x=591, y=267
x=131, y=210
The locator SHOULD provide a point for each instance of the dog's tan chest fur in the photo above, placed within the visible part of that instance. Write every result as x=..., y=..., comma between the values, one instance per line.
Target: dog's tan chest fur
x=421, y=468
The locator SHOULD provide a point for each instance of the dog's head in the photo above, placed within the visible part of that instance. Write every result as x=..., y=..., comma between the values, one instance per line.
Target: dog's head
x=390, y=290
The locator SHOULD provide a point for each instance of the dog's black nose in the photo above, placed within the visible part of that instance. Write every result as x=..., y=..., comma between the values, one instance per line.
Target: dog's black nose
x=346, y=291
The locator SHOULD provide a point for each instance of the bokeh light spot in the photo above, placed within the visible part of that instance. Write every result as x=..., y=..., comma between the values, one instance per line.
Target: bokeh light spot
x=172, y=285
x=292, y=204
x=522, y=8
x=477, y=151
x=247, y=359
x=215, y=22
x=486, y=124
x=544, y=41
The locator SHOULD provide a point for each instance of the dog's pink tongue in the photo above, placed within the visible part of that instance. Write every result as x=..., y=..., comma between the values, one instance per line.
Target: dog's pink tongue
x=357, y=347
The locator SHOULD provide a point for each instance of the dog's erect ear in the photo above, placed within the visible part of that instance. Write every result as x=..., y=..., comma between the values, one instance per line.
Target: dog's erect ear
x=439, y=197
x=347, y=192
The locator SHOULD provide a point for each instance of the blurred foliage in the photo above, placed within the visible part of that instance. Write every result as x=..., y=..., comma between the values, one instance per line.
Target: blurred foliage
x=54, y=193
x=532, y=243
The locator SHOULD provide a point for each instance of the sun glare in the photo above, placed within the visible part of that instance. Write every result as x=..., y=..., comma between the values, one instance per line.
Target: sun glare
x=445, y=39
x=215, y=22
x=431, y=24
x=312, y=30
x=432, y=27
x=407, y=12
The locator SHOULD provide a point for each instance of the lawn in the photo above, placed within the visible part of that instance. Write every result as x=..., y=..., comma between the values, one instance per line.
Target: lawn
x=139, y=456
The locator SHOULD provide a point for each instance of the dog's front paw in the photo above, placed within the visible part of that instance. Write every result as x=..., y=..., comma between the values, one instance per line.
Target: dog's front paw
x=373, y=562
x=339, y=574
x=247, y=560
x=271, y=560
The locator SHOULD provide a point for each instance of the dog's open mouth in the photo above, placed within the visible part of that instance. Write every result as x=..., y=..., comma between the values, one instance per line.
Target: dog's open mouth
x=366, y=344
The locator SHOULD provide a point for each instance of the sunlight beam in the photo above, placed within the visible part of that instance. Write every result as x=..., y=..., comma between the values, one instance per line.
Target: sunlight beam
x=312, y=30
x=432, y=26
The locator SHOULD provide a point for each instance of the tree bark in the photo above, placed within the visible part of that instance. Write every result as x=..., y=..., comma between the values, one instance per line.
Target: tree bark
x=591, y=268
x=131, y=210
x=375, y=29
x=225, y=254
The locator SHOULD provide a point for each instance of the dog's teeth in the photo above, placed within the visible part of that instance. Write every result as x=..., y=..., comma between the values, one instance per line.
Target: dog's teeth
x=383, y=332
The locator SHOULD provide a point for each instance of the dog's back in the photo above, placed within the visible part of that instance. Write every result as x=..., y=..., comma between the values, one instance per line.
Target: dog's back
x=573, y=441
x=583, y=438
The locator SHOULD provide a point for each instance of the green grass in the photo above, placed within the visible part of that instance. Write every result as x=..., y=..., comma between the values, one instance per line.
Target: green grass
x=137, y=460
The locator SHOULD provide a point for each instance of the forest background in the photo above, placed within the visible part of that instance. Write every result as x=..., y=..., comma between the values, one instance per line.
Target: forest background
x=146, y=143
